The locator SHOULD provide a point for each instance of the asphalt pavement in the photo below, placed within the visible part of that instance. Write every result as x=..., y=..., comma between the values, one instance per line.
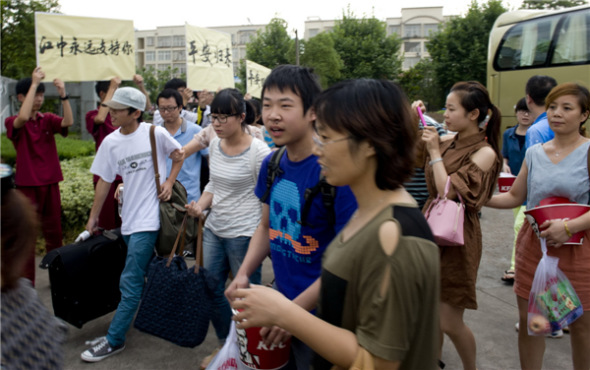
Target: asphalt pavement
x=492, y=324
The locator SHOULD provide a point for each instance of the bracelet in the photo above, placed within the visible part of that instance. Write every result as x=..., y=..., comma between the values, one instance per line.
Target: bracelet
x=65, y=97
x=435, y=161
x=567, y=230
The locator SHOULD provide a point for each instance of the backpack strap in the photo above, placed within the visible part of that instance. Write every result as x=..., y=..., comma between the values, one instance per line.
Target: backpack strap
x=328, y=195
x=155, y=157
x=273, y=171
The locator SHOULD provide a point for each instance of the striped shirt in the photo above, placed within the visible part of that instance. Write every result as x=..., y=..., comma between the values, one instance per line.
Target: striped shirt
x=236, y=211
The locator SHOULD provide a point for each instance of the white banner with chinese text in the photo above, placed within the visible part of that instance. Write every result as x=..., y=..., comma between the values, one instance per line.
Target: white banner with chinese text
x=209, y=63
x=84, y=49
x=255, y=76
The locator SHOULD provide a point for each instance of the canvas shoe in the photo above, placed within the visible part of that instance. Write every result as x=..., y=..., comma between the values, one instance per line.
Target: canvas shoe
x=100, y=350
x=555, y=335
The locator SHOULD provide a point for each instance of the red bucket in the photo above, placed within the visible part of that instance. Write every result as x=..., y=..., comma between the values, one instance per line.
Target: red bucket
x=256, y=355
x=505, y=182
x=548, y=210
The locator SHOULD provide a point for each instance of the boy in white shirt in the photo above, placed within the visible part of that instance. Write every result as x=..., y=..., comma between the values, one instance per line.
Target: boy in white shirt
x=127, y=152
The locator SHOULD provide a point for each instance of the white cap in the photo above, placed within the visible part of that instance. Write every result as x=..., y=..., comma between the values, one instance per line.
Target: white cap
x=127, y=97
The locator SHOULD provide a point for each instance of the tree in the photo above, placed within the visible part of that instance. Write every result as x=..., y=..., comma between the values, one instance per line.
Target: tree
x=551, y=4
x=365, y=49
x=459, y=51
x=319, y=54
x=154, y=81
x=18, y=35
x=419, y=82
x=273, y=46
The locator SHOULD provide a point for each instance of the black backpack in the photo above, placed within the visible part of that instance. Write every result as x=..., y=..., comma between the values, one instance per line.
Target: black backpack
x=328, y=191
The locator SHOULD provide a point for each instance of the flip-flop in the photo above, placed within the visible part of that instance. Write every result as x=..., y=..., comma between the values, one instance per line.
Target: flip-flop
x=508, y=276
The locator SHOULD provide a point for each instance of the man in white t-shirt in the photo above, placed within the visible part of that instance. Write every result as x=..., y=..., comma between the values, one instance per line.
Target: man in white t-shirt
x=127, y=152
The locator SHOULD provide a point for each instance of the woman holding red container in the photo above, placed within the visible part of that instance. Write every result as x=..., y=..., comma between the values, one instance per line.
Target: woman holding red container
x=557, y=168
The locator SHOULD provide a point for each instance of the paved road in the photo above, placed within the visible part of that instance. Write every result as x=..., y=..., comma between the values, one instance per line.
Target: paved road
x=492, y=324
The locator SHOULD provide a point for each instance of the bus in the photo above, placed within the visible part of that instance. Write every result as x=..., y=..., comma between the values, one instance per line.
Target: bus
x=524, y=43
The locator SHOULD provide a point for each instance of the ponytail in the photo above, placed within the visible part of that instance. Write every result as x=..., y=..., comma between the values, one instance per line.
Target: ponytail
x=493, y=128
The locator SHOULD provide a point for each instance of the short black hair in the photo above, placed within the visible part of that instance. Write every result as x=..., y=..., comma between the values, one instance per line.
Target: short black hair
x=538, y=87
x=175, y=84
x=102, y=86
x=171, y=93
x=301, y=80
x=23, y=86
x=521, y=105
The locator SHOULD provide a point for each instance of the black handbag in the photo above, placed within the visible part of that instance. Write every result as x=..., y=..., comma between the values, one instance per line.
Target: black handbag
x=176, y=303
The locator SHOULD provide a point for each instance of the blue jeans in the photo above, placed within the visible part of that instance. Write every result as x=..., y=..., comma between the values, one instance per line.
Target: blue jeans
x=140, y=248
x=219, y=256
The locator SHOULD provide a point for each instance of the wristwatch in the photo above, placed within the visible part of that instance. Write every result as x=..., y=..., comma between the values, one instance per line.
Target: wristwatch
x=65, y=97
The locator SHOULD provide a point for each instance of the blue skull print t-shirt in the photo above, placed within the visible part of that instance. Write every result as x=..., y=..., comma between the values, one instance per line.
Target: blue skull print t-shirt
x=297, y=250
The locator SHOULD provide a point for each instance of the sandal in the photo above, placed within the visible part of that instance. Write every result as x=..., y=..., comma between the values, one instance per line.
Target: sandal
x=508, y=276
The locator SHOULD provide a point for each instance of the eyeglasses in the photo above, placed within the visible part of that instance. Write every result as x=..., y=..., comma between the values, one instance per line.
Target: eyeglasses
x=221, y=118
x=321, y=144
x=168, y=109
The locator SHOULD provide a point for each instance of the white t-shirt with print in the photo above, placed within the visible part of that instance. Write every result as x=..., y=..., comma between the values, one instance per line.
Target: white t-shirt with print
x=130, y=157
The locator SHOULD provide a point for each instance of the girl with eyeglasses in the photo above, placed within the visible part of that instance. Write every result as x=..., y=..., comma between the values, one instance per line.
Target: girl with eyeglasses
x=234, y=162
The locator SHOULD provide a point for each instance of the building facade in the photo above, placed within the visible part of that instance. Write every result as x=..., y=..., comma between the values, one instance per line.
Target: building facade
x=413, y=27
x=165, y=47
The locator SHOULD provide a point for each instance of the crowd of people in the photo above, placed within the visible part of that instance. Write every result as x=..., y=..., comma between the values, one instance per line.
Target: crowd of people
x=332, y=185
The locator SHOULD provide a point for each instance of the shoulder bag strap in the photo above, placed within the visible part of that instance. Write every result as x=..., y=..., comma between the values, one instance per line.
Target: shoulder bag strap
x=155, y=157
x=448, y=187
x=253, y=161
x=182, y=231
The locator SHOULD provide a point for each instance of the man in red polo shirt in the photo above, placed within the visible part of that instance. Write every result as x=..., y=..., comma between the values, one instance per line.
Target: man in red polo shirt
x=38, y=172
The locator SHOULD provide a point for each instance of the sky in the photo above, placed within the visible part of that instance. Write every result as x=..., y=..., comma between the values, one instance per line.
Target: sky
x=211, y=13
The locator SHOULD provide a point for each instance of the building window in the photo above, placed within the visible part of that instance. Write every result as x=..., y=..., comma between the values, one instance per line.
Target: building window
x=163, y=55
x=410, y=62
x=150, y=56
x=394, y=30
x=180, y=68
x=313, y=32
x=164, y=41
x=412, y=47
x=430, y=29
x=412, y=30
x=149, y=41
x=179, y=55
x=246, y=36
x=178, y=41
x=163, y=67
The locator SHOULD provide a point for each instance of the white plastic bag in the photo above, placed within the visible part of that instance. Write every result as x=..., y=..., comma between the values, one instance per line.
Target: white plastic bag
x=228, y=357
x=553, y=302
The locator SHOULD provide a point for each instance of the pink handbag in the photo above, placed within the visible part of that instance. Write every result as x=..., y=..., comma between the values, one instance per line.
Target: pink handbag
x=445, y=218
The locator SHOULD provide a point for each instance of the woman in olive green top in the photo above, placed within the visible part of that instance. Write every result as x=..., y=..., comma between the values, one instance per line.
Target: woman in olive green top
x=380, y=280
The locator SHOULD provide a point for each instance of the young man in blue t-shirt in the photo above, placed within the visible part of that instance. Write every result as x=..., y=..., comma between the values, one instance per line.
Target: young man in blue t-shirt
x=296, y=250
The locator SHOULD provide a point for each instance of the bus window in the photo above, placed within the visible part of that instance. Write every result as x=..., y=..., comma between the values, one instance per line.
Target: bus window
x=526, y=45
x=573, y=42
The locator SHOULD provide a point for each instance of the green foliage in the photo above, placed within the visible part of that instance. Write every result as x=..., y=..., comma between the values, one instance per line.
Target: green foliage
x=420, y=83
x=242, y=75
x=67, y=148
x=154, y=81
x=551, y=4
x=459, y=51
x=271, y=47
x=320, y=55
x=77, y=192
x=18, y=35
x=365, y=49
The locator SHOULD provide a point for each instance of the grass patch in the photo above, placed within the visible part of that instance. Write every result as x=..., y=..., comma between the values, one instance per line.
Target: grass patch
x=67, y=148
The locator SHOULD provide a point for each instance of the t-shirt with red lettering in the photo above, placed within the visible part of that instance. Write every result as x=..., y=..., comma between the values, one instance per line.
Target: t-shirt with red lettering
x=37, y=162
